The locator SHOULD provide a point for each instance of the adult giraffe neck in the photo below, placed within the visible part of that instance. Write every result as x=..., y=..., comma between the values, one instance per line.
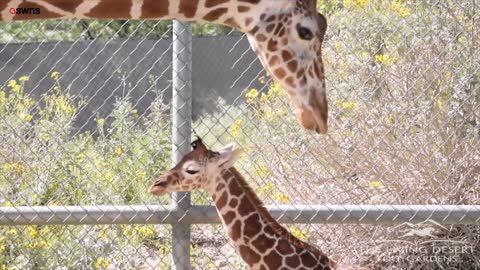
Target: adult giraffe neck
x=228, y=12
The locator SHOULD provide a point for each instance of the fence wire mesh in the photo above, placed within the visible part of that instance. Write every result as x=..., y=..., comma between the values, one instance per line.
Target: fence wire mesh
x=85, y=120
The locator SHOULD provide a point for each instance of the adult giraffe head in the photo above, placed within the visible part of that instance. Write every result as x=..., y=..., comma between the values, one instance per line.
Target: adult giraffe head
x=287, y=35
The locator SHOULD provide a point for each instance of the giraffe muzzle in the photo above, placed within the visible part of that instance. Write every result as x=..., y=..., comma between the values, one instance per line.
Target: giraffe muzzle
x=314, y=116
x=159, y=188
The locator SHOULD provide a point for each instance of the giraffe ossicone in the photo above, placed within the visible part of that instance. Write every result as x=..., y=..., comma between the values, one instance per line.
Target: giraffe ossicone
x=287, y=35
x=258, y=238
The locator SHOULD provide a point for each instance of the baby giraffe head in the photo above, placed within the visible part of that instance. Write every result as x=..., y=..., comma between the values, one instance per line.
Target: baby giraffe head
x=197, y=169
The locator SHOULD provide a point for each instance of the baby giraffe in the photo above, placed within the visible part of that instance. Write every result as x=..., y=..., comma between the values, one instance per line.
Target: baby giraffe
x=257, y=237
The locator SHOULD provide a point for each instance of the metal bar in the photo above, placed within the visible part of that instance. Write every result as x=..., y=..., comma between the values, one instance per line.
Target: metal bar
x=203, y=214
x=181, y=133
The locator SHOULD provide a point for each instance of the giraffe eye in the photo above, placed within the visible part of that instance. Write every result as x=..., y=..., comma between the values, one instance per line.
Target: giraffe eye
x=191, y=171
x=304, y=33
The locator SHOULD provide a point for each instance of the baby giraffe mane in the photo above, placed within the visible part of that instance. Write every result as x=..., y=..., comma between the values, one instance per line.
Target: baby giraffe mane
x=277, y=228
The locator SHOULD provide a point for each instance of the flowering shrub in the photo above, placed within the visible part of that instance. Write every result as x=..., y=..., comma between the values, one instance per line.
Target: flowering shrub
x=42, y=162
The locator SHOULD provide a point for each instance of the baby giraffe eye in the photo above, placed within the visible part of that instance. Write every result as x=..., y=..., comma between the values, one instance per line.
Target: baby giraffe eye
x=304, y=33
x=189, y=171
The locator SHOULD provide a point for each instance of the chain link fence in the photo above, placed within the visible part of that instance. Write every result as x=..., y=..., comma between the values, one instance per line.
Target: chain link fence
x=89, y=111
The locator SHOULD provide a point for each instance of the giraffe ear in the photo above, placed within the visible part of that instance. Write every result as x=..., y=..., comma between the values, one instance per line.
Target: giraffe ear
x=228, y=156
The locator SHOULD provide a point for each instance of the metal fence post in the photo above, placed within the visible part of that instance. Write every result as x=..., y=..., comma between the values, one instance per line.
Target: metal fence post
x=181, y=133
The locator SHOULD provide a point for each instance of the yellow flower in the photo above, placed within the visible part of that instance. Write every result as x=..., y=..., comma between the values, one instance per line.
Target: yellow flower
x=118, y=151
x=356, y=3
x=263, y=98
x=24, y=78
x=3, y=97
x=15, y=87
x=108, y=177
x=2, y=249
x=390, y=118
x=55, y=75
x=100, y=122
x=298, y=233
x=281, y=198
x=384, y=59
x=346, y=105
x=102, y=235
x=32, y=231
x=101, y=263
x=251, y=95
x=27, y=118
x=262, y=170
x=399, y=7
x=13, y=167
x=268, y=114
x=267, y=188
x=262, y=80
x=146, y=231
x=235, y=128
x=12, y=83
x=376, y=184
x=63, y=105
x=274, y=89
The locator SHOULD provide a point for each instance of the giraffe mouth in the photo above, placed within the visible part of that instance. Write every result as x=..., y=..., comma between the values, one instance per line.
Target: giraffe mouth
x=158, y=188
x=314, y=115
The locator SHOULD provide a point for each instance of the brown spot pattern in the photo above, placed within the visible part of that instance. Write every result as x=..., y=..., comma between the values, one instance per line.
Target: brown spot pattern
x=213, y=3
x=243, y=9
x=280, y=73
x=284, y=247
x=308, y=260
x=233, y=202
x=121, y=9
x=69, y=6
x=188, y=7
x=236, y=231
x=273, y=260
x=229, y=216
x=214, y=14
x=250, y=1
x=252, y=226
x=286, y=56
x=262, y=243
x=272, y=45
x=231, y=22
x=248, y=255
x=292, y=65
x=245, y=208
x=274, y=61
x=220, y=187
x=234, y=188
x=154, y=9
x=222, y=201
x=292, y=261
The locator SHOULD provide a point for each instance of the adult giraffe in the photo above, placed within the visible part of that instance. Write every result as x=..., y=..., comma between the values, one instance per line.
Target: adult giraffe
x=286, y=35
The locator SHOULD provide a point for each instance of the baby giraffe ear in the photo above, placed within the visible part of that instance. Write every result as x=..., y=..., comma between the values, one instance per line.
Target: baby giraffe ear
x=229, y=155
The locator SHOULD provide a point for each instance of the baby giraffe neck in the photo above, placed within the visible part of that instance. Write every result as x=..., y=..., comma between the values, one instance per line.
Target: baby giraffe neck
x=257, y=237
